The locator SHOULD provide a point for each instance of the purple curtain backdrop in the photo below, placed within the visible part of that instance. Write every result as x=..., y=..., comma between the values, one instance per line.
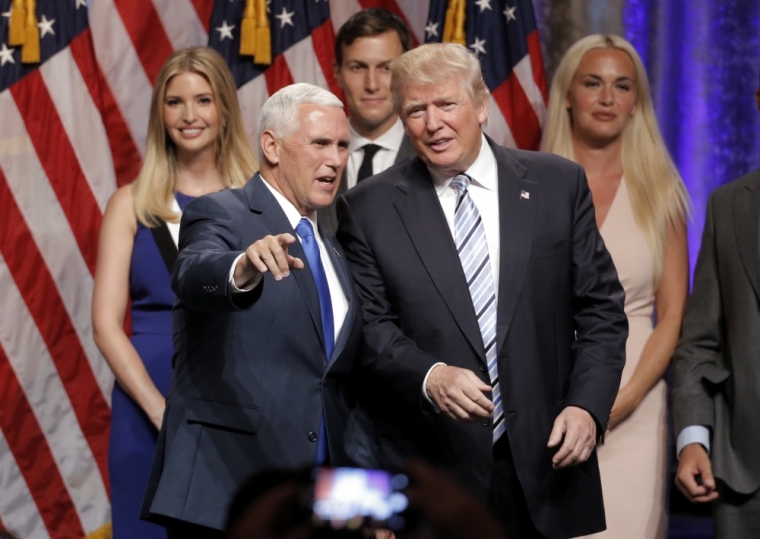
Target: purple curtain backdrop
x=703, y=60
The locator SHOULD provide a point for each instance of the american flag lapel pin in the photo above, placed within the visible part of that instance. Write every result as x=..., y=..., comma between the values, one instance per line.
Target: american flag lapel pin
x=524, y=195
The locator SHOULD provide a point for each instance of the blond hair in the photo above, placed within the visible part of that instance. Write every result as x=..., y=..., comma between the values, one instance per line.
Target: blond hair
x=235, y=161
x=658, y=195
x=434, y=63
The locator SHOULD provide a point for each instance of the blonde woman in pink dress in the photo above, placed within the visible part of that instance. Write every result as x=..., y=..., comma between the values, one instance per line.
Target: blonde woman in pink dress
x=601, y=116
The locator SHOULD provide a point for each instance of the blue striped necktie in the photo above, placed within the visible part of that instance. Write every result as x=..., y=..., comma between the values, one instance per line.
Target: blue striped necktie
x=473, y=253
x=311, y=250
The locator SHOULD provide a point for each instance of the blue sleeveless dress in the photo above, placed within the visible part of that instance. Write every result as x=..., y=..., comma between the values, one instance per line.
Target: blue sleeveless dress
x=133, y=436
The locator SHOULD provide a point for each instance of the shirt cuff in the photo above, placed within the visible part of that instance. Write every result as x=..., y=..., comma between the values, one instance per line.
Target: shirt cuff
x=233, y=288
x=424, y=385
x=695, y=434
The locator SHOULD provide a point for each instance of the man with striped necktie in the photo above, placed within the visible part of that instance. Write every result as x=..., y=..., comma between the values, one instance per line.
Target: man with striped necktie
x=494, y=325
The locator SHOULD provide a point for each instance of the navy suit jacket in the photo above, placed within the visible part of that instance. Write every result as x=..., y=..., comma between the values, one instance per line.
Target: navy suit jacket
x=327, y=215
x=561, y=328
x=251, y=379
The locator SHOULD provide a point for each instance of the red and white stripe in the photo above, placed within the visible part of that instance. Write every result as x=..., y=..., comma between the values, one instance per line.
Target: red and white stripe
x=70, y=133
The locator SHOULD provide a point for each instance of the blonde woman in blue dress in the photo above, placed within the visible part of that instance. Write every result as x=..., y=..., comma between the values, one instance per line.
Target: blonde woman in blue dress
x=196, y=144
x=601, y=116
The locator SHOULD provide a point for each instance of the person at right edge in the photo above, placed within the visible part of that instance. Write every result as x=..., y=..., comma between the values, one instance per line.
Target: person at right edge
x=716, y=396
x=601, y=116
x=494, y=331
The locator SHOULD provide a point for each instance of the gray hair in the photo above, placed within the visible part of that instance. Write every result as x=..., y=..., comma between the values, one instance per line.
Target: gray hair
x=280, y=112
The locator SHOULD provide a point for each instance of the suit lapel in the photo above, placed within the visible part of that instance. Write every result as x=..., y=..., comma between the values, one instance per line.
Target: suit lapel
x=261, y=201
x=746, y=229
x=405, y=151
x=517, y=212
x=345, y=282
x=343, y=186
x=423, y=217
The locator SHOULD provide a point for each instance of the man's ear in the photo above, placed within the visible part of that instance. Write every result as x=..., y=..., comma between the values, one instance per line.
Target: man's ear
x=270, y=147
x=483, y=109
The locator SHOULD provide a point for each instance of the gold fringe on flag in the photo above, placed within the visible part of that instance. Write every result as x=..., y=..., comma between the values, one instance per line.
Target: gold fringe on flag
x=255, y=36
x=30, y=52
x=263, y=35
x=104, y=532
x=16, y=34
x=453, y=28
x=248, y=30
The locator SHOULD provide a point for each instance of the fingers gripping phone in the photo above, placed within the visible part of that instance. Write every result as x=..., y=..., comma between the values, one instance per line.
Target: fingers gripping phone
x=354, y=497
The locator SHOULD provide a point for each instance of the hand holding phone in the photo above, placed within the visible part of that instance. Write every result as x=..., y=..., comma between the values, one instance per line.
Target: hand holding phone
x=355, y=497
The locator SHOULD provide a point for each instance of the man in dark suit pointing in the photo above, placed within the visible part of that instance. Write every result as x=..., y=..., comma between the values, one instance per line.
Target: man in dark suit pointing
x=494, y=325
x=266, y=326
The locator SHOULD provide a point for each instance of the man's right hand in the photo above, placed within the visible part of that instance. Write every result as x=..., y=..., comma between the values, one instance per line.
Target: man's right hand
x=459, y=393
x=694, y=477
x=270, y=253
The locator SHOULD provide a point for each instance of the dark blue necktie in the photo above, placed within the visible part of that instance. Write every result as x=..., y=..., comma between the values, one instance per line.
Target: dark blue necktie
x=311, y=249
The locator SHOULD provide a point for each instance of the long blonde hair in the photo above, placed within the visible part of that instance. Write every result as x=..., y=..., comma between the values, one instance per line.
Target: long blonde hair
x=235, y=161
x=658, y=195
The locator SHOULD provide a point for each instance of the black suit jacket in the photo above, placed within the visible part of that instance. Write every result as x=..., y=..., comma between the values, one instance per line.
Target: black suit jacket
x=561, y=328
x=251, y=379
x=328, y=217
x=717, y=362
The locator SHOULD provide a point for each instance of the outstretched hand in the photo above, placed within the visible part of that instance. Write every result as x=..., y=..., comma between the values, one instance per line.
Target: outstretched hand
x=270, y=253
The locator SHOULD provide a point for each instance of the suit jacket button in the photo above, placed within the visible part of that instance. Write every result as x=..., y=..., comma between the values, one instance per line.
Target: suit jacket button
x=483, y=368
x=486, y=422
x=312, y=436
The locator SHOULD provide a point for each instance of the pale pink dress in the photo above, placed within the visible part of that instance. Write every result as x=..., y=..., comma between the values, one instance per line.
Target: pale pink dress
x=633, y=458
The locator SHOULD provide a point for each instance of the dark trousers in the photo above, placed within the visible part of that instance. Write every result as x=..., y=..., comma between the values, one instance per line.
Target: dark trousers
x=177, y=529
x=506, y=498
x=737, y=516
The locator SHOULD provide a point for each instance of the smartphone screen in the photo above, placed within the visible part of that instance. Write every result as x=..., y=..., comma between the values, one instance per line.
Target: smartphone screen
x=350, y=497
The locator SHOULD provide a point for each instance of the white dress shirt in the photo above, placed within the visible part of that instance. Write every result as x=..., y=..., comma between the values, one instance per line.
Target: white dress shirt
x=484, y=192
x=337, y=295
x=389, y=143
x=695, y=434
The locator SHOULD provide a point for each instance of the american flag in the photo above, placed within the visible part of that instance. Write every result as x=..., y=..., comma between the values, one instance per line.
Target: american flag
x=72, y=129
x=503, y=34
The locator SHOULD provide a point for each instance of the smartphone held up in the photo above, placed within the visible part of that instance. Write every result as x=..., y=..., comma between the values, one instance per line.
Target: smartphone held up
x=354, y=497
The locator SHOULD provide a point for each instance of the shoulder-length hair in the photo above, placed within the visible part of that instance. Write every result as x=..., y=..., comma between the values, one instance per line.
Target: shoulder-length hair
x=235, y=160
x=658, y=195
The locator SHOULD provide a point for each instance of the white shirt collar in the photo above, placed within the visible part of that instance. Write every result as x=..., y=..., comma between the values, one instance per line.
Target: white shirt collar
x=482, y=171
x=293, y=215
x=390, y=140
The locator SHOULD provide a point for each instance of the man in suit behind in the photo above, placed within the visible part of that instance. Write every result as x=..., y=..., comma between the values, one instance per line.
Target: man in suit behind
x=495, y=284
x=365, y=46
x=716, y=396
x=266, y=326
